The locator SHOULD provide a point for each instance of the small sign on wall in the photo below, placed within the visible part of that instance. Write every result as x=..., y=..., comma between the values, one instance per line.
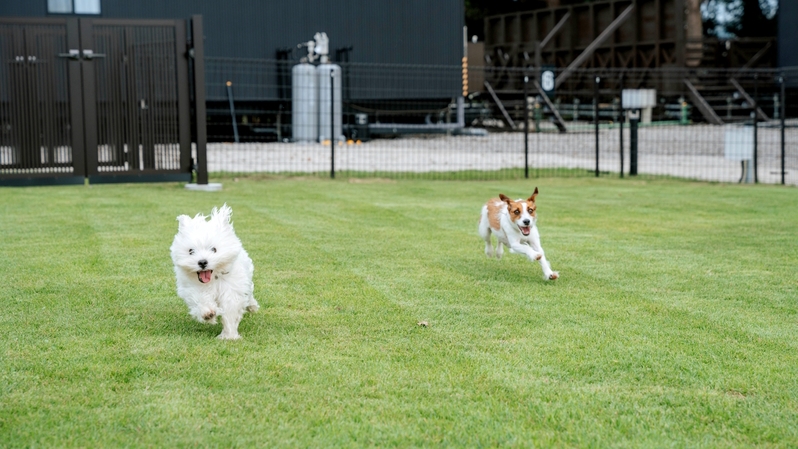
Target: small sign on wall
x=638, y=98
x=547, y=78
x=739, y=143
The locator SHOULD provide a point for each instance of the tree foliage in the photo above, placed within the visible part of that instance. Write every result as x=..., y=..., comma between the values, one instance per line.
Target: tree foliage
x=740, y=18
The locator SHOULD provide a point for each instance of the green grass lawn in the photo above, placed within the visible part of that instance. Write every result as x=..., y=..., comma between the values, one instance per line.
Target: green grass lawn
x=674, y=322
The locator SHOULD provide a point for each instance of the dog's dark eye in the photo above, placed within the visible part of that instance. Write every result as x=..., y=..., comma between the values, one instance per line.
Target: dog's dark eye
x=191, y=251
x=213, y=249
x=531, y=211
x=516, y=211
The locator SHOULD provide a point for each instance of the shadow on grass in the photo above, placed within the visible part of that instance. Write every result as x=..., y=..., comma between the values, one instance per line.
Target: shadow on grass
x=173, y=321
x=512, y=269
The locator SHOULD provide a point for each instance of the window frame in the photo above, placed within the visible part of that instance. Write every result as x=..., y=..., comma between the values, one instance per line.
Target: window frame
x=72, y=12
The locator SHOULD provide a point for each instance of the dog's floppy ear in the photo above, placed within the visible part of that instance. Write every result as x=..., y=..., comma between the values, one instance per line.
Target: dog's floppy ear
x=534, y=195
x=222, y=214
x=182, y=221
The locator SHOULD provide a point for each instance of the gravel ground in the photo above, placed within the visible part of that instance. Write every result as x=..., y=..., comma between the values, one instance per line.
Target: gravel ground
x=695, y=152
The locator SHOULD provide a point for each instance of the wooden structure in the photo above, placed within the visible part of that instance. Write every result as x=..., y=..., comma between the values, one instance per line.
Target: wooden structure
x=612, y=34
x=625, y=43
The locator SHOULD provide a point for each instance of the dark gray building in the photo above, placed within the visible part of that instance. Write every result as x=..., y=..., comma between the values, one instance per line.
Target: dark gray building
x=788, y=33
x=409, y=32
x=379, y=31
x=788, y=40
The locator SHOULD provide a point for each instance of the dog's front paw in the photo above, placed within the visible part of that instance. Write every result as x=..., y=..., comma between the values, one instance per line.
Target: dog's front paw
x=554, y=275
x=252, y=308
x=209, y=316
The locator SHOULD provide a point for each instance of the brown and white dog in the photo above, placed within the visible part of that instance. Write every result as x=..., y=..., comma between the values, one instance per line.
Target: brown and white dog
x=514, y=223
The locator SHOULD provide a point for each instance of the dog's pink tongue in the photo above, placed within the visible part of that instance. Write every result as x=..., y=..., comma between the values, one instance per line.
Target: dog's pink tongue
x=525, y=230
x=204, y=276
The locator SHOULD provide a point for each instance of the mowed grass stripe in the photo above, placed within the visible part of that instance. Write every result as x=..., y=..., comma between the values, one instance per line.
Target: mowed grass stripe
x=384, y=216
x=671, y=326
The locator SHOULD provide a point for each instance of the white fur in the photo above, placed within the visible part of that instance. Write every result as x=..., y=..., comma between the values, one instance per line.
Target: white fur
x=228, y=293
x=509, y=234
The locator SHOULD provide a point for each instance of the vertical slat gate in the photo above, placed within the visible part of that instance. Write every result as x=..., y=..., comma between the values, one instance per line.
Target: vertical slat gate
x=139, y=74
x=99, y=98
x=37, y=138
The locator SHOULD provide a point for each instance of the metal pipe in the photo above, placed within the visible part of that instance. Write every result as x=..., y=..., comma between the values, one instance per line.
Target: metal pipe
x=232, y=109
x=460, y=112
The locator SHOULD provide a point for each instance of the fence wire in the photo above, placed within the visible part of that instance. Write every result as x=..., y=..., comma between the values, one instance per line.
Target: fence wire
x=399, y=121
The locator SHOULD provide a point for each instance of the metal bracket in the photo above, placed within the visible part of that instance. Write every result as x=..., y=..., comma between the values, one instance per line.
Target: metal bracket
x=89, y=54
x=73, y=54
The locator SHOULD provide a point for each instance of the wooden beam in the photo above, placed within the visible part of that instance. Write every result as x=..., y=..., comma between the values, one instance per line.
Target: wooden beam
x=559, y=121
x=702, y=105
x=555, y=30
x=756, y=57
x=501, y=106
x=540, y=45
x=748, y=98
x=594, y=45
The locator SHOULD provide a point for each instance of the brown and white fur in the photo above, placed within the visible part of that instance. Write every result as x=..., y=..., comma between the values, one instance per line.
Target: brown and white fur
x=515, y=225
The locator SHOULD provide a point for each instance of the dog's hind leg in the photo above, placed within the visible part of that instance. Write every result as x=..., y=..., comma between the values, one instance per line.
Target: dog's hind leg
x=484, y=232
x=489, y=248
x=252, y=305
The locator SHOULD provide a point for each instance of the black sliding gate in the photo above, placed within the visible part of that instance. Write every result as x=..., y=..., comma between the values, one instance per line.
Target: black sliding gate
x=102, y=99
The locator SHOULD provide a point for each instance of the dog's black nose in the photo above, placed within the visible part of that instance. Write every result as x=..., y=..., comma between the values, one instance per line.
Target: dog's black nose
x=526, y=222
x=203, y=263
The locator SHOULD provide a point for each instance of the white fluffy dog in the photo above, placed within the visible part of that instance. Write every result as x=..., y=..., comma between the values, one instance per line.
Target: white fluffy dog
x=214, y=272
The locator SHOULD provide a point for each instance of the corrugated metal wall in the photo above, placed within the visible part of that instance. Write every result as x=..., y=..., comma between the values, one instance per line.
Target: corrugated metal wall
x=405, y=32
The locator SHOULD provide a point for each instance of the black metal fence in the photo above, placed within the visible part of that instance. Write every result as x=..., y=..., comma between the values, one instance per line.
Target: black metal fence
x=715, y=125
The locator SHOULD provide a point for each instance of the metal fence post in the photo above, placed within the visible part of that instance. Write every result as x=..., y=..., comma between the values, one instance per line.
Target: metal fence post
x=332, y=123
x=526, y=128
x=596, y=120
x=620, y=119
x=783, y=112
x=756, y=120
x=200, y=120
x=634, y=120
